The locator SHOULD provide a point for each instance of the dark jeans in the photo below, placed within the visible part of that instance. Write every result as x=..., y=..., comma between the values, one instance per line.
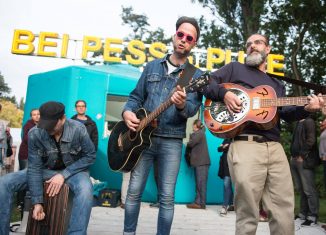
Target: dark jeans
x=201, y=174
x=304, y=180
x=324, y=165
x=22, y=164
x=228, y=192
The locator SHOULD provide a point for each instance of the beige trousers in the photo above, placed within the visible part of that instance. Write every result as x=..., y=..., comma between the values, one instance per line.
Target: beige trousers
x=261, y=171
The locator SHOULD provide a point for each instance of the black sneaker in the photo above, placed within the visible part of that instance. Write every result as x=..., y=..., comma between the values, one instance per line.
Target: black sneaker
x=308, y=222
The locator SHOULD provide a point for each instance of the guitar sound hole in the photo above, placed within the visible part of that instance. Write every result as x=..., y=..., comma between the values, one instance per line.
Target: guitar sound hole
x=220, y=113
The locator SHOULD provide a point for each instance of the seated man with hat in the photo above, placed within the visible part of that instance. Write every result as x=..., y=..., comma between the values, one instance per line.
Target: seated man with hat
x=59, y=151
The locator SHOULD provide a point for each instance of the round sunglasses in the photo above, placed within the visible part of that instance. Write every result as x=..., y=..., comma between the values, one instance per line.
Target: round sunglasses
x=182, y=35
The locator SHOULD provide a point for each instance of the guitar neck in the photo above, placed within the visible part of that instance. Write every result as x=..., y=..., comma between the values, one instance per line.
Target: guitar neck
x=286, y=101
x=146, y=121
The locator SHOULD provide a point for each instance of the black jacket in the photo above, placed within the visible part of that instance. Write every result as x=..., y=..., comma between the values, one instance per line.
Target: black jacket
x=91, y=129
x=199, y=151
x=304, y=143
x=223, y=170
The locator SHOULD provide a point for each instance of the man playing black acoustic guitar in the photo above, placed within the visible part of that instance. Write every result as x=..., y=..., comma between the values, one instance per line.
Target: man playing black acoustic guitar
x=155, y=85
x=258, y=164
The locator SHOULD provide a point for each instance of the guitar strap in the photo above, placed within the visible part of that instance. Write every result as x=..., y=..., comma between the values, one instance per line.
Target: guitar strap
x=312, y=86
x=186, y=75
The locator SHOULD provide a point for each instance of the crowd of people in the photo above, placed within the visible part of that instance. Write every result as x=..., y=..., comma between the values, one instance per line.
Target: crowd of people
x=59, y=150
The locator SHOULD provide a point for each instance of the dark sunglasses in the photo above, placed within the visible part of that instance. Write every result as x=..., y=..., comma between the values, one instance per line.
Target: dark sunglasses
x=189, y=38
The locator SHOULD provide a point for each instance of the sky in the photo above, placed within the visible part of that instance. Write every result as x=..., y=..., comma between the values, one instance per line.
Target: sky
x=78, y=18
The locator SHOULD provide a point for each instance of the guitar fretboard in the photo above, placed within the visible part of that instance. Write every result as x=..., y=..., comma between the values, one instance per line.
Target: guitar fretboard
x=144, y=122
x=286, y=101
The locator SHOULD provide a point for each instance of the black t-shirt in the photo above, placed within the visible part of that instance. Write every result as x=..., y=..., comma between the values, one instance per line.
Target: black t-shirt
x=250, y=77
x=59, y=164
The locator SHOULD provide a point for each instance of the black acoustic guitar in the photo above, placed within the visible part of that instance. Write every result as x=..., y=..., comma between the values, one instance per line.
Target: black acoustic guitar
x=125, y=146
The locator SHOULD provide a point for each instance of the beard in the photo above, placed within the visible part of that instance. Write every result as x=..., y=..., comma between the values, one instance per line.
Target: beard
x=181, y=52
x=256, y=59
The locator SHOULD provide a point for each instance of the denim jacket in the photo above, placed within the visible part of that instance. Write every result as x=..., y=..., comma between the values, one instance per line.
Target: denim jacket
x=153, y=88
x=77, y=149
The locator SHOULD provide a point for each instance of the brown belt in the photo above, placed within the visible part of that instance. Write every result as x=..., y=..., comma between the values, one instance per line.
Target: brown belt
x=258, y=139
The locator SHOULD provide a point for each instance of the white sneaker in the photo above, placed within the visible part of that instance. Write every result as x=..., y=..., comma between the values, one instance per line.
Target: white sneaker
x=224, y=211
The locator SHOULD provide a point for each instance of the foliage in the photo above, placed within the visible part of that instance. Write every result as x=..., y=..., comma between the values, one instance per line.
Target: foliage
x=11, y=113
x=297, y=29
x=139, y=25
x=235, y=21
x=4, y=88
x=301, y=39
x=21, y=104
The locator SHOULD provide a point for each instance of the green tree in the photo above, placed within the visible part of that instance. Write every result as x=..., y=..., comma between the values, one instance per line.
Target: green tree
x=234, y=21
x=138, y=23
x=21, y=104
x=11, y=113
x=301, y=38
x=140, y=27
x=4, y=88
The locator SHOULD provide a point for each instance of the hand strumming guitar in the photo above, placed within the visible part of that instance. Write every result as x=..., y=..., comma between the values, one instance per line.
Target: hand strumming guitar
x=131, y=120
x=232, y=102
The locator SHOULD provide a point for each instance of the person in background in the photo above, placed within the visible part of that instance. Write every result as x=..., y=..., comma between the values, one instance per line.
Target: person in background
x=80, y=106
x=158, y=82
x=224, y=174
x=322, y=147
x=3, y=141
x=9, y=151
x=199, y=159
x=23, y=149
x=304, y=159
x=322, y=150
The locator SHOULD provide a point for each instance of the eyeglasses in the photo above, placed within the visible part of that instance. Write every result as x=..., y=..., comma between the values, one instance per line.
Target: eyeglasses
x=80, y=106
x=256, y=42
x=182, y=35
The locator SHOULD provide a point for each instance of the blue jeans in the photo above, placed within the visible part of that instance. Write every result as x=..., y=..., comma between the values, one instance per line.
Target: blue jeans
x=167, y=151
x=304, y=180
x=228, y=191
x=79, y=184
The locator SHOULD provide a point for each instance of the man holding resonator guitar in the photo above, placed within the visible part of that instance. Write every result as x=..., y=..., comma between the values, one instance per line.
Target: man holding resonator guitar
x=249, y=112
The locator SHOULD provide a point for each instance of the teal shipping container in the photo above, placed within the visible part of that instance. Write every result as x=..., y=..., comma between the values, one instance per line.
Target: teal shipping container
x=106, y=89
